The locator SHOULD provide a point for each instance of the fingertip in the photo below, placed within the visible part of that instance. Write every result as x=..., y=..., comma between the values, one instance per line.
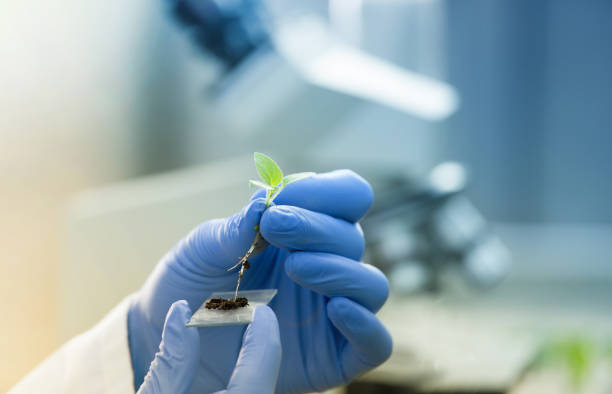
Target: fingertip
x=362, y=188
x=384, y=348
x=290, y=266
x=281, y=225
x=370, y=342
x=333, y=275
x=298, y=269
x=179, y=342
x=179, y=311
x=265, y=319
x=217, y=243
x=245, y=223
x=254, y=214
x=359, y=185
x=174, y=367
x=360, y=325
x=263, y=312
x=261, y=193
x=279, y=220
x=380, y=291
x=340, y=193
x=175, y=326
x=338, y=308
x=255, y=209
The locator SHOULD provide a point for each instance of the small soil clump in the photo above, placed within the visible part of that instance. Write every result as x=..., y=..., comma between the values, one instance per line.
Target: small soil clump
x=227, y=304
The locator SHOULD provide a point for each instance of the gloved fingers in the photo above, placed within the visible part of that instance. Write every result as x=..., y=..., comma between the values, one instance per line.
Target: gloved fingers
x=368, y=344
x=217, y=244
x=260, y=356
x=333, y=275
x=342, y=194
x=296, y=228
x=174, y=366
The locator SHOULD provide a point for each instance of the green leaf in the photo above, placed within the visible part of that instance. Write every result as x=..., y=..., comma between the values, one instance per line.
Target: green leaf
x=259, y=184
x=296, y=177
x=268, y=170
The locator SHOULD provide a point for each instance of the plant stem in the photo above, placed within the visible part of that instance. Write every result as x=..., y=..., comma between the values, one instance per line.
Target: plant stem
x=241, y=262
x=238, y=283
x=258, y=244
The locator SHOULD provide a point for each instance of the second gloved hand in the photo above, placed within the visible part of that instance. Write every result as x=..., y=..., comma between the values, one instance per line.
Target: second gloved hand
x=326, y=301
x=176, y=363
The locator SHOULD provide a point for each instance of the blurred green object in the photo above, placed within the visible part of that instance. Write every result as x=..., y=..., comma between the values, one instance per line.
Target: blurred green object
x=577, y=354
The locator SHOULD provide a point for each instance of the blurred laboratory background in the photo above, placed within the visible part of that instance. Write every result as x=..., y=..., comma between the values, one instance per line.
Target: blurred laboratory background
x=484, y=126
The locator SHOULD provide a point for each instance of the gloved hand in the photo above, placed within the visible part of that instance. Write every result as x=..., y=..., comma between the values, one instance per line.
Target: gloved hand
x=326, y=298
x=177, y=361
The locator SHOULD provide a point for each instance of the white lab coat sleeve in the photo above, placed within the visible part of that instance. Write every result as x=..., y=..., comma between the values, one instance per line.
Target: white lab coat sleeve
x=97, y=361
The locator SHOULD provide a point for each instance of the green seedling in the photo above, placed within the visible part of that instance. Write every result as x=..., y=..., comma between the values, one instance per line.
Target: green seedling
x=576, y=353
x=273, y=182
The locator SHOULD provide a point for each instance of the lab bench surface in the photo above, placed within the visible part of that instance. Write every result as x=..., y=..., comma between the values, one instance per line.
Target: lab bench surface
x=486, y=343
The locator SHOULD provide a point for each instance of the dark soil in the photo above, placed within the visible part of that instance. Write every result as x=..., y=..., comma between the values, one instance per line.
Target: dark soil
x=227, y=304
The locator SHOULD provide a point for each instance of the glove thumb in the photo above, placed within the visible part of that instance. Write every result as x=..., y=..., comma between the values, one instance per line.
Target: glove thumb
x=221, y=242
x=259, y=359
x=174, y=367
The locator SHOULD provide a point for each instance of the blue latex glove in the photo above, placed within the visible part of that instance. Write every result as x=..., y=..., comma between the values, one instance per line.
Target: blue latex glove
x=177, y=361
x=326, y=298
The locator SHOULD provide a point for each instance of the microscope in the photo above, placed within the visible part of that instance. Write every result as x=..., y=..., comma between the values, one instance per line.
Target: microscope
x=425, y=234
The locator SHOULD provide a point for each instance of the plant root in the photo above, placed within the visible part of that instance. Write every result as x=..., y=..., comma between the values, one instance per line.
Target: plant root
x=258, y=245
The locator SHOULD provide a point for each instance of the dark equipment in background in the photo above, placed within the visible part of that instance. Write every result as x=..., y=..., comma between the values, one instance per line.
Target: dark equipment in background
x=420, y=230
x=228, y=30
